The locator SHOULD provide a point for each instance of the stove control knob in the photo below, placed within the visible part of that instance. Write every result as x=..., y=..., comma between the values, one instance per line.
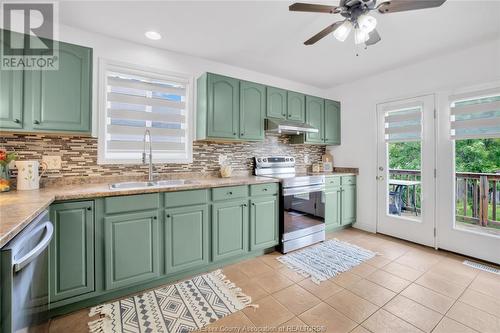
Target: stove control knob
x=292, y=159
x=287, y=159
x=259, y=160
x=264, y=159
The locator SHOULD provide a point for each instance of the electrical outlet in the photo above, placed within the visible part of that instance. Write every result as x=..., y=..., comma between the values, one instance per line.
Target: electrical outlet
x=53, y=162
x=222, y=159
x=306, y=159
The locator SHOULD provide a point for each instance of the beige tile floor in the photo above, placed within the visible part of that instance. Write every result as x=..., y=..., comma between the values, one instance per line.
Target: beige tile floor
x=407, y=288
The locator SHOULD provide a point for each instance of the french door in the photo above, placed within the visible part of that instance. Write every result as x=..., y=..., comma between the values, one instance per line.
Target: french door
x=406, y=169
x=468, y=219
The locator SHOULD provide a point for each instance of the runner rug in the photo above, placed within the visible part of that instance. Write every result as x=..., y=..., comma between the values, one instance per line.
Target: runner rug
x=325, y=260
x=182, y=307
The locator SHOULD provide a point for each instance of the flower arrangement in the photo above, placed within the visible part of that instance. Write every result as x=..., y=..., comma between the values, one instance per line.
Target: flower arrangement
x=5, y=159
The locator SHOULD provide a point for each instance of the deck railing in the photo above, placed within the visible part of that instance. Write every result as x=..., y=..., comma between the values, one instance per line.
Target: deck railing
x=477, y=195
x=404, y=174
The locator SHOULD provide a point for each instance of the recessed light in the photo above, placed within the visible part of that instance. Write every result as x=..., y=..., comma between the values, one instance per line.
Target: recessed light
x=152, y=35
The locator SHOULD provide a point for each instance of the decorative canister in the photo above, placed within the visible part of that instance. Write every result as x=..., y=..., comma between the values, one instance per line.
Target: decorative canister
x=27, y=174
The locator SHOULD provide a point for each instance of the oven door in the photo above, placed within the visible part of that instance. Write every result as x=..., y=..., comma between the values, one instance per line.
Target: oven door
x=304, y=199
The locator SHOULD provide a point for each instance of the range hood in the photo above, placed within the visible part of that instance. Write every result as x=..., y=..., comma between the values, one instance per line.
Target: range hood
x=288, y=127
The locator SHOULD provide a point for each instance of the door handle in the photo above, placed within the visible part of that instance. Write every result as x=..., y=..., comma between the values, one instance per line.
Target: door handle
x=39, y=248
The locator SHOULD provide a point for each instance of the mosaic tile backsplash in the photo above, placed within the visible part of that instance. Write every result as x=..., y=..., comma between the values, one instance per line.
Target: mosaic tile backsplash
x=79, y=156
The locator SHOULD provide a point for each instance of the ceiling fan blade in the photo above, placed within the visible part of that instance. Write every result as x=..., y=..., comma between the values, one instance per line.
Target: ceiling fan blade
x=309, y=7
x=404, y=5
x=374, y=38
x=323, y=33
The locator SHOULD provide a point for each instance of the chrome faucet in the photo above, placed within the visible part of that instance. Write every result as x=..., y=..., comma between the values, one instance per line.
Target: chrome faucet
x=150, y=171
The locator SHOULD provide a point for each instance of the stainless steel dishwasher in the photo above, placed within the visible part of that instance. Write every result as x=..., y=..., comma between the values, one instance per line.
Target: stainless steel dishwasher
x=24, y=278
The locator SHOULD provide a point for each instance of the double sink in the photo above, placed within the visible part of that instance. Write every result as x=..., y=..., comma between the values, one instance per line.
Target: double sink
x=160, y=183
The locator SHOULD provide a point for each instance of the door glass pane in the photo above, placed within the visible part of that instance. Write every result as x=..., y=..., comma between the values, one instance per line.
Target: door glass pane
x=477, y=192
x=404, y=182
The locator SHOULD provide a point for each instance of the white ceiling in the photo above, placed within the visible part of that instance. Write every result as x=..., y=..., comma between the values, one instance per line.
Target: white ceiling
x=264, y=36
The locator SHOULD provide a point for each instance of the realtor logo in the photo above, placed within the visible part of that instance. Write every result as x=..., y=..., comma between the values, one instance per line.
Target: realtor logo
x=29, y=36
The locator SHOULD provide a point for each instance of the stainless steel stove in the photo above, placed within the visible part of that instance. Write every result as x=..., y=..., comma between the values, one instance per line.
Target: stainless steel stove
x=302, y=202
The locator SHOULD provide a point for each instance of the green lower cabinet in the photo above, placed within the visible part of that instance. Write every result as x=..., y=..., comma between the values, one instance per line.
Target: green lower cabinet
x=332, y=208
x=263, y=222
x=71, y=252
x=186, y=238
x=229, y=229
x=131, y=248
x=348, y=204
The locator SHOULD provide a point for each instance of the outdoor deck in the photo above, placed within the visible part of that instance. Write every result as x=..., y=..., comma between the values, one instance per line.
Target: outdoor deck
x=477, y=199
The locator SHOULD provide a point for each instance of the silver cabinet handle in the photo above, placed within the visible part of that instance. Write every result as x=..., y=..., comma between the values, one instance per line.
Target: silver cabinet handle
x=39, y=248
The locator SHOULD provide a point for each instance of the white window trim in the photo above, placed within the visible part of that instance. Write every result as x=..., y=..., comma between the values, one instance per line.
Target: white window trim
x=106, y=65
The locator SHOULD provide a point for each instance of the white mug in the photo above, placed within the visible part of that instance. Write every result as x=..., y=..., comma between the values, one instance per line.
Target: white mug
x=27, y=174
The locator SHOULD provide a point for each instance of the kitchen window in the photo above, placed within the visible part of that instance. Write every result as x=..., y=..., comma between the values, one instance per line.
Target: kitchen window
x=134, y=100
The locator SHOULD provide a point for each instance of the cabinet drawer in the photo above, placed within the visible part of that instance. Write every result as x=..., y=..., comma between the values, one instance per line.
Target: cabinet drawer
x=348, y=180
x=130, y=203
x=264, y=189
x=332, y=181
x=230, y=192
x=185, y=198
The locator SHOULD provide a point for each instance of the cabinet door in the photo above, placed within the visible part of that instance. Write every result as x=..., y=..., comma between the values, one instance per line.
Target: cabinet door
x=315, y=110
x=276, y=103
x=332, y=207
x=263, y=223
x=296, y=106
x=348, y=204
x=332, y=122
x=229, y=229
x=223, y=107
x=252, y=110
x=131, y=244
x=61, y=100
x=71, y=252
x=11, y=99
x=186, y=238
x=11, y=93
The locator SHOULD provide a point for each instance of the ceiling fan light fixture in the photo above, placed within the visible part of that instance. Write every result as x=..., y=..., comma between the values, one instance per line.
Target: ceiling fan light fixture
x=343, y=31
x=360, y=36
x=367, y=23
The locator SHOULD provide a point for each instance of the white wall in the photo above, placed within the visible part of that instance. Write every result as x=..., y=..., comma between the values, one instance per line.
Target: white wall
x=469, y=66
x=163, y=60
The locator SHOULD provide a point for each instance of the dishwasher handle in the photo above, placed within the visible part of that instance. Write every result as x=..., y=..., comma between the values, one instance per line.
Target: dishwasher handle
x=39, y=248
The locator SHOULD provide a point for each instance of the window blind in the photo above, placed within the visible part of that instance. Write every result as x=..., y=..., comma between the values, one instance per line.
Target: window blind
x=137, y=103
x=476, y=116
x=403, y=125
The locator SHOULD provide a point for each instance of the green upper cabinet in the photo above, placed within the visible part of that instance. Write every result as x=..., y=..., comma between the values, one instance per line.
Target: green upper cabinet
x=332, y=122
x=132, y=244
x=276, y=106
x=315, y=111
x=263, y=222
x=71, y=251
x=186, y=238
x=252, y=110
x=229, y=109
x=11, y=99
x=229, y=229
x=60, y=100
x=218, y=113
x=296, y=106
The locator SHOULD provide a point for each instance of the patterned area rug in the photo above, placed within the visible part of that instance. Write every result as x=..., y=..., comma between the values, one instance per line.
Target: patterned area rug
x=325, y=260
x=182, y=307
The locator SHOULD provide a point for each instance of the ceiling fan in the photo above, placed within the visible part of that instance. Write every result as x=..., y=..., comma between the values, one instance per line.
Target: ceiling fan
x=356, y=14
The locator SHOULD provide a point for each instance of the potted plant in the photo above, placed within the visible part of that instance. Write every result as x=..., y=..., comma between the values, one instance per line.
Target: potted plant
x=5, y=159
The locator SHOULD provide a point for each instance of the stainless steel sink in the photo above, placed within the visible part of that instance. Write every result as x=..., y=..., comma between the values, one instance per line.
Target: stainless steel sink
x=176, y=182
x=131, y=185
x=161, y=183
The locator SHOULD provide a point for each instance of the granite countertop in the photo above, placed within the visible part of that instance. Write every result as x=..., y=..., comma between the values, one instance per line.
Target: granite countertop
x=19, y=208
